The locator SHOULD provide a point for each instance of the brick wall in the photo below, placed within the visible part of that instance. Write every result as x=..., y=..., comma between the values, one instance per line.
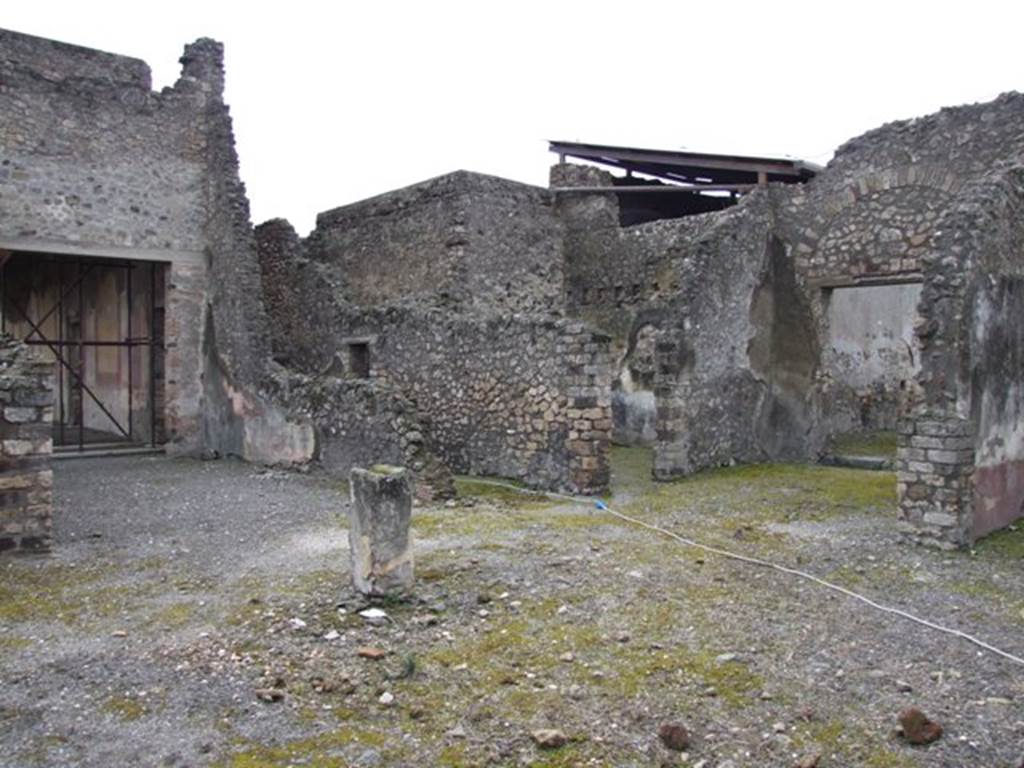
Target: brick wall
x=934, y=469
x=26, y=443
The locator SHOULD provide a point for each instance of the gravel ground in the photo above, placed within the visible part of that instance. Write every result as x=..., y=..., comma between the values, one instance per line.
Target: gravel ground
x=198, y=613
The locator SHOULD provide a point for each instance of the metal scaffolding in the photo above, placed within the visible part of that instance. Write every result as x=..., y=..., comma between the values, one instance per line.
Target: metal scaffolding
x=69, y=347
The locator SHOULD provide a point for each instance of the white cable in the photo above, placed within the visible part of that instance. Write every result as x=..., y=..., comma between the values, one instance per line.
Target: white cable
x=764, y=564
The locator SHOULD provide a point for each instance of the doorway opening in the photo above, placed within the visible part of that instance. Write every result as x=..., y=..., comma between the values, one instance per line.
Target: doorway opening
x=102, y=322
x=872, y=358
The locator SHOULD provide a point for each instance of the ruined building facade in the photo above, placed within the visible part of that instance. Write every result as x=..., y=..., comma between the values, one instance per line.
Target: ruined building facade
x=470, y=324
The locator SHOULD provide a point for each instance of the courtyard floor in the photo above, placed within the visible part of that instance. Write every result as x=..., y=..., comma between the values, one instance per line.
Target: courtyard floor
x=199, y=614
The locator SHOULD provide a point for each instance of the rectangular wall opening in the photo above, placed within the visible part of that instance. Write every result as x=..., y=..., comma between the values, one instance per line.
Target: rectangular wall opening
x=359, y=360
x=871, y=358
x=102, y=322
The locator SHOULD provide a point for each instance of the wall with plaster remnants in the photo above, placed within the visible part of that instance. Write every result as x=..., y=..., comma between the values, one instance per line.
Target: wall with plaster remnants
x=961, y=457
x=809, y=310
x=95, y=163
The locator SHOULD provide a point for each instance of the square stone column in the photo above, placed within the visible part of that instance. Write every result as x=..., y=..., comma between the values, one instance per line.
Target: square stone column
x=378, y=534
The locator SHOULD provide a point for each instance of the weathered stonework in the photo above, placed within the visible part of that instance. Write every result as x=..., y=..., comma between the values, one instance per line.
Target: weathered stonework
x=26, y=480
x=962, y=466
x=751, y=358
x=94, y=163
x=934, y=478
x=520, y=394
x=380, y=544
x=473, y=324
x=463, y=241
x=359, y=423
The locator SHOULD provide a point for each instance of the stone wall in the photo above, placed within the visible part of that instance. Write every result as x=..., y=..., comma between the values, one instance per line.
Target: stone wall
x=95, y=163
x=234, y=279
x=737, y=353
x=873, y=211
x=461, y=241
x=961, y=457
x=740, y=302
x=282, y=264
x=26, y=481
x=520, y=398
x=523, y=396
x=620, y=279
x=90, y=156
x=362, y=423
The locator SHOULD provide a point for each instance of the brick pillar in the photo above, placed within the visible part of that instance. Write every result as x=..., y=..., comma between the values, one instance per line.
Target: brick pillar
x=26, y=445
x=589, y=381
x=671, y=449
x=935, y=464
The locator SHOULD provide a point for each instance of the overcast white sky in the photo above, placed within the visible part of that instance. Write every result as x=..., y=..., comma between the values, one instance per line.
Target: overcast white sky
x=334, y=102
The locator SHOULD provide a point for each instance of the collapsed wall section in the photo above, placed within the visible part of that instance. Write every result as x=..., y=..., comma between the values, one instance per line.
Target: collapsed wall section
x=360, y=423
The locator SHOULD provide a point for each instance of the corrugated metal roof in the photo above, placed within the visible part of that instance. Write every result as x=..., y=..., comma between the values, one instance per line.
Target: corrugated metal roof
x=691, y=167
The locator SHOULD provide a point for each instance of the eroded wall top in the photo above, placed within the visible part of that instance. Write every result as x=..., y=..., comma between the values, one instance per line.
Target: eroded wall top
x=464, y=240
x=91, y=157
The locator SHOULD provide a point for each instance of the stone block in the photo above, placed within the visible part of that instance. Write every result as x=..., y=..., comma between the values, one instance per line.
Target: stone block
x=379, y=538
x=18, y=447
x=950, y=457
x=949, y=428
x=18, y=415
x=940, y=519
x=16, y=482
x=917, y=466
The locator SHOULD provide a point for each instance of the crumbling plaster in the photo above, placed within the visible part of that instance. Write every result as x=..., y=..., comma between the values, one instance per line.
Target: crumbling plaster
x=741, y=306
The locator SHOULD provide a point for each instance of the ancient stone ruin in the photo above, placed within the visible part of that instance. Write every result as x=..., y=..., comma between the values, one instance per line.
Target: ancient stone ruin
x=380, y=547
x=470, y=324
x=26, y=480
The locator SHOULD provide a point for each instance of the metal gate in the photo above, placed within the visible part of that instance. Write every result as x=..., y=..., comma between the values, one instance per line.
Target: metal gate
x=102, y=322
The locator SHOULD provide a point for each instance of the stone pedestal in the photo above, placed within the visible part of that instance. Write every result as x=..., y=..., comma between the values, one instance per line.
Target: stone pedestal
x=378, y=533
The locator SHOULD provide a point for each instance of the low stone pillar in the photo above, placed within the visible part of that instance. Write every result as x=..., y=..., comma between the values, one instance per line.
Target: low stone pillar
x=378, y=534
x=934, y=479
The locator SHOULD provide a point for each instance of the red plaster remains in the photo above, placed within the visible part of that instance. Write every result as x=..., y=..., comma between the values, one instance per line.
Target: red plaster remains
x=998, y=496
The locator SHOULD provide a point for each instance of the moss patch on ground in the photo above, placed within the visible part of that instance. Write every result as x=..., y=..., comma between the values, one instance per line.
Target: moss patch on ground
x=499, y=490
x=1007, y=544
x=776, y=493
x=78, y=595
x=837, y=740
x=325, y=750
x=125, y=707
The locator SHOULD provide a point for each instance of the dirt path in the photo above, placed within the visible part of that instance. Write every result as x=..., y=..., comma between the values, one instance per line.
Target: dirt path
x=181, y=591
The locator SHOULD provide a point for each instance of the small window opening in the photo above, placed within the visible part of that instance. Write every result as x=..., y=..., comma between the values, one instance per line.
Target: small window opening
x=359, y=360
